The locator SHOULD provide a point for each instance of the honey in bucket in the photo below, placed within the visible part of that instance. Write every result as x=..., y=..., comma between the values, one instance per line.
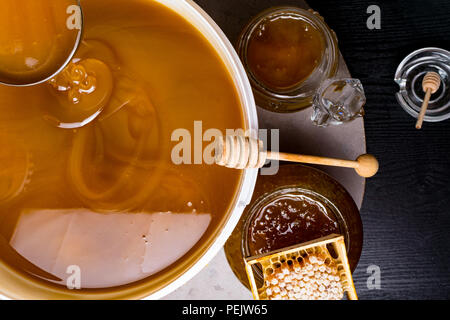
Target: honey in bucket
x=86, y=177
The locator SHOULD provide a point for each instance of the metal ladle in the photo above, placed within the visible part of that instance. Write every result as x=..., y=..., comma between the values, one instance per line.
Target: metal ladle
x=66, y=61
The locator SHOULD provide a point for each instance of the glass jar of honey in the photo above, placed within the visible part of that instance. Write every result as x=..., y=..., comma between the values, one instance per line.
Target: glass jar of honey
x=288, y=52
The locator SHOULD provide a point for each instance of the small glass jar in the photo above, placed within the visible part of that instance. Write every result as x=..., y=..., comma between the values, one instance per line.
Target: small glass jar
x=300, y=95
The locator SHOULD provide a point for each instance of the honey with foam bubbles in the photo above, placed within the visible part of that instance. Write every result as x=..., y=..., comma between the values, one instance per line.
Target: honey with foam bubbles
x=86, y=177
x=288, y=219
x=35, y=40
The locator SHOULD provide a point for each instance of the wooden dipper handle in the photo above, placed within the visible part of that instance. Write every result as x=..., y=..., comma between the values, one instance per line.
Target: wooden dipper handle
x=365, y=165
x=431, y=83
x=241, y=152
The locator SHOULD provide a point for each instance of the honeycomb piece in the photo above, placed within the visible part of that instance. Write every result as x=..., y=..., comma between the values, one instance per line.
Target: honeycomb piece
x=314, y=277
x=315, y=270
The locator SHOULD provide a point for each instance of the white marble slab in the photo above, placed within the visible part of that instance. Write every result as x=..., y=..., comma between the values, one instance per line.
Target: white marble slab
x=215, y=282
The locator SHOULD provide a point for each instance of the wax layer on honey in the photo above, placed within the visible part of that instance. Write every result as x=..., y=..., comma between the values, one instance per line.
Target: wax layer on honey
x=284, y=51
x=138, y=244
x=35, y=40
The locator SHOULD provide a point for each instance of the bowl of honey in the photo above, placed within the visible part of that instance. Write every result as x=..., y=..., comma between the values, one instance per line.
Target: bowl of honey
x=91, y=204
x=297, y=205
x=288, y=52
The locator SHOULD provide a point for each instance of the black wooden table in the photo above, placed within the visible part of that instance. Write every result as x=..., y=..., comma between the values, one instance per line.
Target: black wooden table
x=406, y=209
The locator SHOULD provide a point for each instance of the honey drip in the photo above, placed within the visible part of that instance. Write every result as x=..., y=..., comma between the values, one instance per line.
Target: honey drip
x=82, y=90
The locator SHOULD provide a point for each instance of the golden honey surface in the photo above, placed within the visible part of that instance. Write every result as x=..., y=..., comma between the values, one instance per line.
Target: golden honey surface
x=86, y=176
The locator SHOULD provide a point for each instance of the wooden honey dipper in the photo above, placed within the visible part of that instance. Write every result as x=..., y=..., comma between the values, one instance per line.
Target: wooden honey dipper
x=240, y=152
x=430, y=84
